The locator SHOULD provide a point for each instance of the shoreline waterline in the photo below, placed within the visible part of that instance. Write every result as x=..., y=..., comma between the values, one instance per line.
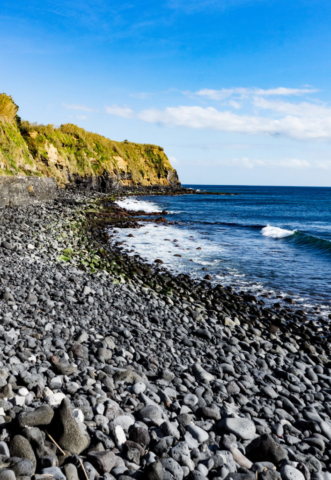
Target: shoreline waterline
x=185, y=250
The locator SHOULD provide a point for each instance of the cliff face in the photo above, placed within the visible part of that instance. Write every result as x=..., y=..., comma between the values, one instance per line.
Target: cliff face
x=72, y=155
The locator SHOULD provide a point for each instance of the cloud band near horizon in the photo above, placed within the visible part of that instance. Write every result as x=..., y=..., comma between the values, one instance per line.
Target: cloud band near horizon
x=305, y=121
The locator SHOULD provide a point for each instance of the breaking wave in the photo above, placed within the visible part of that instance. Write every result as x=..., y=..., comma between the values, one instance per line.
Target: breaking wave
x=276, y=232
x=297, y=238
x=136, y=205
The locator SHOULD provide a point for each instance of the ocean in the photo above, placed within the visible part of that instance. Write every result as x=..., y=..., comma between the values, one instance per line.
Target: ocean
x=270, y=241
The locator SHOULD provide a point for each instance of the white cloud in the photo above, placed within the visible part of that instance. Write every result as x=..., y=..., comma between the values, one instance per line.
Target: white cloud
x=293, y=163
x=297, y=127
x=256, y=163
x=81, y=117
x=248, y=92
x=262, y=115
x=303, y=109
x=123, y=112
x=253, y=163
x=234, y=104
x=83, y=108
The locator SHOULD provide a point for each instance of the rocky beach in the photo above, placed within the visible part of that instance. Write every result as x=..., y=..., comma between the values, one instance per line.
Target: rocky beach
x=113, y=368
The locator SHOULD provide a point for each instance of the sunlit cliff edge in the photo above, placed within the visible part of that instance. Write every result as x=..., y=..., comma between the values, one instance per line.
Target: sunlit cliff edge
x=70, y=154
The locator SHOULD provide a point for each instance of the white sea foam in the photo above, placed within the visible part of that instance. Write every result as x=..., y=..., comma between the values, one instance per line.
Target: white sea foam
x=152, y=243
x=135, y=205
x=276, y=232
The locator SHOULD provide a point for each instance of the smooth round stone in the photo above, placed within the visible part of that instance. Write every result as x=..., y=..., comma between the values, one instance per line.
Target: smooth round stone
x=269, y=392
x=120, y=437
x=55, y=398
x=171, y=466
x=78, y=414
x=138, y=387
x=290, y=473
x=124, y=421
x=4, y=450
x=326, y=429
x=202, y=469
x=7, y=475
x=100, y=408
x=181, y=449
x=243, y=428
x=191, y=400
x=150, y=412
x=140, y=435
x=70, y=471
x=186, y=471
x=23, y=392
x=198, y=433
x=311, y=375
x=55, y=472
x=197, y=475
x=312, y=416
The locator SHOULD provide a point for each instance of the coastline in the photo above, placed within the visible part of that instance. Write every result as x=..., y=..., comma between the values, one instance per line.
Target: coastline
x=99, y=213
x=100, y=309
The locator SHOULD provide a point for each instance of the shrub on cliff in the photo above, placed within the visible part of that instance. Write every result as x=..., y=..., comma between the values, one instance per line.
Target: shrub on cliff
x=8, y=108
x=68, y=150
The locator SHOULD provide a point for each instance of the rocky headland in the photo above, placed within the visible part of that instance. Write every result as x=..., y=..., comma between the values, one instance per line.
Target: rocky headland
x=113, y=368
x=73, y=156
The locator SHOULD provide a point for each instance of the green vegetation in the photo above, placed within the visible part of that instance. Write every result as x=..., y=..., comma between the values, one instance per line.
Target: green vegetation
x=63, y=152
x=8, y=108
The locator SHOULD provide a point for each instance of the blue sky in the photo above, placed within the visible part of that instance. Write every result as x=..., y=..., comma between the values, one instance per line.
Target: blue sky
x=236, y=91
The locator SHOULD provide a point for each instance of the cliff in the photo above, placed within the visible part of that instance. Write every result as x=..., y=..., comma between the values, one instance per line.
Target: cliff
x=72, y=155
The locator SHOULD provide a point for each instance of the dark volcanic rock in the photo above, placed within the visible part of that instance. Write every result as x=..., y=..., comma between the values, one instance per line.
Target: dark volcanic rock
x=39, y=417
x=141, y=373
x=20, y=447
x=70, y=436
x=265, y=448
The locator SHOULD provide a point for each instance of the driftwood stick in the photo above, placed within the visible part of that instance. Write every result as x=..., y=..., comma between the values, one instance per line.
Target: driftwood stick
x=55, y=443
x=82, y=465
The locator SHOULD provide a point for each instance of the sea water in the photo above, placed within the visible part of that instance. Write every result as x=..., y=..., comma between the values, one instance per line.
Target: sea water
x=271, y=240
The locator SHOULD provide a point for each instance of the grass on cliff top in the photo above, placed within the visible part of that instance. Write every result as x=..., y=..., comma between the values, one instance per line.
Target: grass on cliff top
x=8, y=108
x=62, y=152
x=78, y=137
x=89, y=153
